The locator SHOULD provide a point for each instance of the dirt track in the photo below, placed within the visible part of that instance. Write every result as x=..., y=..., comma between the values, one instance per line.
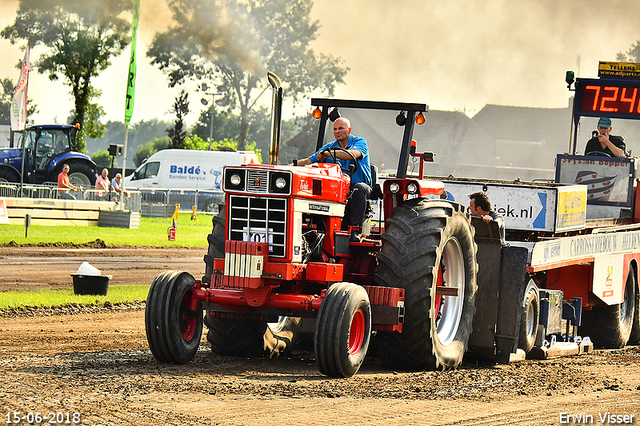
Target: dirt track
x=32, y=268
x=98, y=364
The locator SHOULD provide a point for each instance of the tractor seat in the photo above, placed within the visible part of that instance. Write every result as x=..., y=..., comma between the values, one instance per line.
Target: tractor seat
x=376, y=193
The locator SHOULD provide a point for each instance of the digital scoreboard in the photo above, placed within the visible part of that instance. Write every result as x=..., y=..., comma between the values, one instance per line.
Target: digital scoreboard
x=615, y=94
x=607, y=97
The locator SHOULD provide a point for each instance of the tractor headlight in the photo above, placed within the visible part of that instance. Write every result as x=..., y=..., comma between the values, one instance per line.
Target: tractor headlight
x=412, y=188
x=235, y=179
x=280, y=182
x=394, y=187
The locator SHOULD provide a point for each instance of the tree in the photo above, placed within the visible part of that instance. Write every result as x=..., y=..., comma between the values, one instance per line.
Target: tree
x=8, y=89
x=177, y=134
x=196, y=143
x=258, y=132
x=80, y=38
x=102, y=158
x=232, y=43
x=632, y=55
x=139, y=134
x=145, y=151
x=225, y=124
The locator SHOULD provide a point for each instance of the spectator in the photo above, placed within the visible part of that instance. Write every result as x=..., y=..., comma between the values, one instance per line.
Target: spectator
x=116, y=186
x=64, y=185
x=480, y=206
x=102, y=183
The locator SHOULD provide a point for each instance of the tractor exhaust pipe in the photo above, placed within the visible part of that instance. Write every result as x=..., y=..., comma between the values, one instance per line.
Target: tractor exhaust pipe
x=276, y=118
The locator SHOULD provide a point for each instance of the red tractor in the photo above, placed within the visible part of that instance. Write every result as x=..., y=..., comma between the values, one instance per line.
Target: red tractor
x=279, y=264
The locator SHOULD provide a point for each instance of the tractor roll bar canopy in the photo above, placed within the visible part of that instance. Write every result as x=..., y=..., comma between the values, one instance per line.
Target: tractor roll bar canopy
x=411, y=109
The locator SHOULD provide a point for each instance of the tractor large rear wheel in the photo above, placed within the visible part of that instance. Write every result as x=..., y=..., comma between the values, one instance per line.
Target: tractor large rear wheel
x=80, y=174
x=230, y=336
x=173, y=328
x=8, y=176
x=216, y=243
x=610, y=327
x=426, y=245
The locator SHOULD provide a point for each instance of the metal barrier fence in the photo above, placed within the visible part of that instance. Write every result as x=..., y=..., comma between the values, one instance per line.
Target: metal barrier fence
x=132, y=199
x=49, y=190
x=45, y=190
x=150, y=202
x=161, y=202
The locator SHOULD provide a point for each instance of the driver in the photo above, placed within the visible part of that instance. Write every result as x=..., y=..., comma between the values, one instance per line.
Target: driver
x=361, y=179
x=605, y=142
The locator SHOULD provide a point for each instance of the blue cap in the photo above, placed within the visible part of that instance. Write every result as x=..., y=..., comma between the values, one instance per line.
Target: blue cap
x=604, y=122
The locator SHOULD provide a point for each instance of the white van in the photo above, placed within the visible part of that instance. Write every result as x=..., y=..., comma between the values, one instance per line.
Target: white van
x=186, y=169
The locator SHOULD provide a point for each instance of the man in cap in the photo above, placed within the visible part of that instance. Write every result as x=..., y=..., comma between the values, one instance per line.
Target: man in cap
x=606, y=143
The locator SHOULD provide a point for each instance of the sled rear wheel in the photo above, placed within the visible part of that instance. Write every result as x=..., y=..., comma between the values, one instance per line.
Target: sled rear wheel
x=634, y=338
x=610, y=327
x=529, y=318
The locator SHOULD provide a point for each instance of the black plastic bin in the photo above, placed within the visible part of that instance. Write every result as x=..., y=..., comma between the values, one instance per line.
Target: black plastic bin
x=91, y=284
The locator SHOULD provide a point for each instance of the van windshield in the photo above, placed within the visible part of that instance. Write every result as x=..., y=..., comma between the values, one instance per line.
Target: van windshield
x=148, y=171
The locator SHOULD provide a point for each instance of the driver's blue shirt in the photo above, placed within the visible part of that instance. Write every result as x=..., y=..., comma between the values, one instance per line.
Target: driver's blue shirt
x=363, y=166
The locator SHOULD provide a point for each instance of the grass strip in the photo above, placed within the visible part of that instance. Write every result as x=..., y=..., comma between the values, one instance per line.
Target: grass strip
x=152, y=232
x=51, y=298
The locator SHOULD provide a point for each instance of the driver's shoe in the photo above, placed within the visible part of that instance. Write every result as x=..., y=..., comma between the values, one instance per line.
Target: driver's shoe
x=356, y=237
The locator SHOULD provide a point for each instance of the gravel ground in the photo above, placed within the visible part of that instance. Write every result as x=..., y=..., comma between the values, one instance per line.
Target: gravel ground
x=95, y=361
x=98, y=364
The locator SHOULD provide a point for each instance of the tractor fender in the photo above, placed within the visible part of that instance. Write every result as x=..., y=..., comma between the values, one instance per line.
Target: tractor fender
x=70, y=156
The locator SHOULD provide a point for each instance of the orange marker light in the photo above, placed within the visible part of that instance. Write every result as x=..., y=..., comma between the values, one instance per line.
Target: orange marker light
x=316, y=113
x=420, y=118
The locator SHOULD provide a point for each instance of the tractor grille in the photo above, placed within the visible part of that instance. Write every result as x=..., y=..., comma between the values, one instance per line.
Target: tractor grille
x=261, y=220
x=258, y=181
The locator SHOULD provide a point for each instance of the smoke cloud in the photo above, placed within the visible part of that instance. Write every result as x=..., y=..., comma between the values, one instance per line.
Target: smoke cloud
x=469, y=53
x=219, y=31
x=453, y=55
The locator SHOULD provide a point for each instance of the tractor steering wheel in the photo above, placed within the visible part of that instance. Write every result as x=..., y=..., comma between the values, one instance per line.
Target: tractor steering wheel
x=335, y=159
x=599, y=154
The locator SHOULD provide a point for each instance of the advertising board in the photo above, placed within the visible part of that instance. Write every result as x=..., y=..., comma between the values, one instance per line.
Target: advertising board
x=548, y=208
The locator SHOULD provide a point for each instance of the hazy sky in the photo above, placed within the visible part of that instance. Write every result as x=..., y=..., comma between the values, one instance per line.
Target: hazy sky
x=452, y=55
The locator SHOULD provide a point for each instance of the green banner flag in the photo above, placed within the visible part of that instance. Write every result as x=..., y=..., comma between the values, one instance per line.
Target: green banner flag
x=131, y=77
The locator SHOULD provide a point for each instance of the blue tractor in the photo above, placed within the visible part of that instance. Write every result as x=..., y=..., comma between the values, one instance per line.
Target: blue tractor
x=46, y=149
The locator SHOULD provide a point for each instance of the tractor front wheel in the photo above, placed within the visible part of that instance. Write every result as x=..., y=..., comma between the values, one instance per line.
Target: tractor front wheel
x=343, y=330
x=173, y=328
